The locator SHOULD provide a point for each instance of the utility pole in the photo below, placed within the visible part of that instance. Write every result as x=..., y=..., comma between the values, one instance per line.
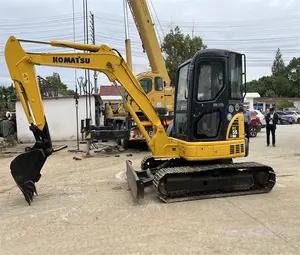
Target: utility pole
x=88, y=71
x=93, y=38
x=127, y=39
x=85, y=71
x=193, y=29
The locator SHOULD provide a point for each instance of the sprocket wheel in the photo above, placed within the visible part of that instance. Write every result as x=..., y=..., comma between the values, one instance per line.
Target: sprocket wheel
x=147, y=163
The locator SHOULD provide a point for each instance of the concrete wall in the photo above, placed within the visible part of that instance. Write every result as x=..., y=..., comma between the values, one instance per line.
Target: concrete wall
x=249, y=103
x=249, y=99
x=61, y=118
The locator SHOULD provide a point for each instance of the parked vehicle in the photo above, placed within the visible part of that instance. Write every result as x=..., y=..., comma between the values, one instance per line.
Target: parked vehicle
x=284, y=118
x=255, y=125
x=295, y=115
x=261, y=118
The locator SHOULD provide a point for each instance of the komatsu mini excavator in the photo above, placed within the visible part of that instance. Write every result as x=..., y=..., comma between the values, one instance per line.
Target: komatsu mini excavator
x=193, y=160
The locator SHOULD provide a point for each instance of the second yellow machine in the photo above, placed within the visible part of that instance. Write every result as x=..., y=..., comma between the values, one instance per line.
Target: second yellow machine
x=192, y=159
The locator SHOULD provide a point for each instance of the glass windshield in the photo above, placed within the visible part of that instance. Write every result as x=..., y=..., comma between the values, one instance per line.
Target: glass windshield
x=146, y=84
x=210, y=80
x=182, y=88
x=158, y=84
x=181, y=127
x=236, y=76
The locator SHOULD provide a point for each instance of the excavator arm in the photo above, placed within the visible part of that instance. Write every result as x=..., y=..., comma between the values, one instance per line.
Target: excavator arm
x=26, y=167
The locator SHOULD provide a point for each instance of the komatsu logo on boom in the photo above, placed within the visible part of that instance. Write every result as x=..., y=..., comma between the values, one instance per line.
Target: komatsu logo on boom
x=77, y=60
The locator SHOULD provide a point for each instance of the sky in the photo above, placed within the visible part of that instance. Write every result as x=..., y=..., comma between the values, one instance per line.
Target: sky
x=254, y=27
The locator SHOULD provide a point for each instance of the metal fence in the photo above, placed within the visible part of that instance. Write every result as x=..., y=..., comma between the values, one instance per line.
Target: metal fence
x=4, y=128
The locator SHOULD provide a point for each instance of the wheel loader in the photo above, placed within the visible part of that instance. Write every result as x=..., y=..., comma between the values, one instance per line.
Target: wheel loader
x=191, y=160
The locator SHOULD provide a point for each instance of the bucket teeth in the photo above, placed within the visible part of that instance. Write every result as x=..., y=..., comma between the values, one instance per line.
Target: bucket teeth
x=28, y=189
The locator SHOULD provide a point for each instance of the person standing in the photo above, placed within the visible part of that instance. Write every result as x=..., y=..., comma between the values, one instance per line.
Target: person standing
x=247, y=121
x=271, y=122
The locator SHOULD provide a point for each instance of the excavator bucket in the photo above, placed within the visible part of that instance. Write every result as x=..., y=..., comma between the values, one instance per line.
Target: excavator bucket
x=25, y=169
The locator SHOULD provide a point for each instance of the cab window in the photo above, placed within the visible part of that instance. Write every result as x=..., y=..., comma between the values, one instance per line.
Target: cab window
x=210, y=80
x=146, y=84
x=158, y=84
x=236, y=76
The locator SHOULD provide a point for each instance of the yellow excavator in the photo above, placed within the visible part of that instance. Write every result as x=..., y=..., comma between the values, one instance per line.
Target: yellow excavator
x=192, y=160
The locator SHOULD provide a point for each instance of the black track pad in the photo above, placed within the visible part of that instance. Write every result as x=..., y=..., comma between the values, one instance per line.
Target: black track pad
x=25, y=169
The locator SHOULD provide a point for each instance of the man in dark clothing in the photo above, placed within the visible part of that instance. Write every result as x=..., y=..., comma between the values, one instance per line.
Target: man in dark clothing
x=271, y=121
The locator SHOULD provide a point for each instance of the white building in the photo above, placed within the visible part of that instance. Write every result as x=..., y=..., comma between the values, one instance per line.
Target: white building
x=61, y=117
x=250, y=99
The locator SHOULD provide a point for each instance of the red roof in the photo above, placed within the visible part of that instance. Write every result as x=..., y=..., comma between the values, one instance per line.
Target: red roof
x=108, y=90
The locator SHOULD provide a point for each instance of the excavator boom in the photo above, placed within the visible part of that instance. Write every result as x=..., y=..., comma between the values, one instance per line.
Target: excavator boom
x=26, y=167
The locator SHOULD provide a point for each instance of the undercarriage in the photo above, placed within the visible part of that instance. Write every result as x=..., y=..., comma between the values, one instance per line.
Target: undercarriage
x=179, y=180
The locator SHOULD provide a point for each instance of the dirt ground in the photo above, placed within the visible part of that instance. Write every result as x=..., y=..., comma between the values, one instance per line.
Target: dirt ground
x=84, y=207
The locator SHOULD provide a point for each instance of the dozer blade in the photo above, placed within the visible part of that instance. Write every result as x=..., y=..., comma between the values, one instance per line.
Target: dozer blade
x=136, y=185
x=25, y=169
x=138, y=180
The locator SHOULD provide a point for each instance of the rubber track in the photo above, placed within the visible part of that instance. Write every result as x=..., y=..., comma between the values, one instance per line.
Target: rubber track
x=252, y=166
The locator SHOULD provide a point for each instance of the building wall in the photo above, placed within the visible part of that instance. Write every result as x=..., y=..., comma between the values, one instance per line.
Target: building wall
x=264, y=106
x=249, y=103
x=61, y=118
x=249, y=100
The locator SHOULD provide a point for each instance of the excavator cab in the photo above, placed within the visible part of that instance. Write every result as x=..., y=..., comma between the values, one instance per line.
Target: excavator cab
x=209, y=92
x=209, y=128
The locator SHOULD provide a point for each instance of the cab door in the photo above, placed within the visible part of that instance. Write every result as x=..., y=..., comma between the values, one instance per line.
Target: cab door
x=208, y=117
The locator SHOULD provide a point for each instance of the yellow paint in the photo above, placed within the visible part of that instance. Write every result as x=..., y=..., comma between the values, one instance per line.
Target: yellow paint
x=105, y=60
x=151, y=46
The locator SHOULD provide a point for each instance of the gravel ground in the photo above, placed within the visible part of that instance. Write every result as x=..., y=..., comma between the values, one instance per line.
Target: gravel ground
x=84, y=207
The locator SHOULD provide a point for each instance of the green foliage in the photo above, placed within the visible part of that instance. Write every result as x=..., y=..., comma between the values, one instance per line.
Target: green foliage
x=8, y=97
x=284, y=81
x=293, y=74
x=281, y=105
x=278, y=64
x=179, y=48
x=62, y=88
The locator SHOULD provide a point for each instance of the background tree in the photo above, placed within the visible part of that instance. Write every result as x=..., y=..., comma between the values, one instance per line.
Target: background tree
x=281, y=105
x=283, y=82
x=293, y=75
x=62, y=88
x=8, y=97
x=179, y=48
x=278, y=66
